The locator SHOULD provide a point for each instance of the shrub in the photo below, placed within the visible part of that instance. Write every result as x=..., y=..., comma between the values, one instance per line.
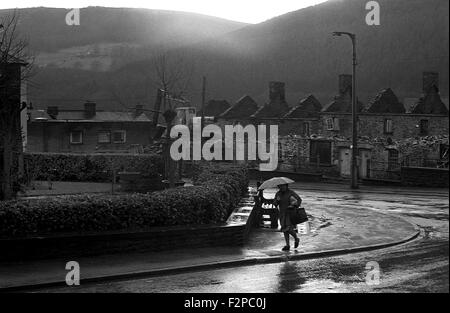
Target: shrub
x=88, y=167
x=212, y=200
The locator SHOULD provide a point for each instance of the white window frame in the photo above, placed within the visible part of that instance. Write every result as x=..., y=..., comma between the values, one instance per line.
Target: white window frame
x=124, y=136
x=306, y=129
x=332, y=123
x=104, y=132
x=388, y=126
x=72, y=142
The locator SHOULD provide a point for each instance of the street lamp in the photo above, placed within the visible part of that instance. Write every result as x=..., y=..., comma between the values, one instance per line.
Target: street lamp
x=354, y=166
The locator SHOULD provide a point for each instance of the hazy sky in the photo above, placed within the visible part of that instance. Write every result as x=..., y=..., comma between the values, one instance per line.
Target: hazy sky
x=250, y=11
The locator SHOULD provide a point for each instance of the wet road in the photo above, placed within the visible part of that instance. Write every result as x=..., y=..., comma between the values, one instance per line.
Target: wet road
x=418, y=266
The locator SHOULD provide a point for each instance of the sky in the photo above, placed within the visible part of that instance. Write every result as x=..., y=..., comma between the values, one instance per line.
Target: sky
x=248, y=11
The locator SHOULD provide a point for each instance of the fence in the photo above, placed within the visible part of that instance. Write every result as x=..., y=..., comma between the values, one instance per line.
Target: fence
x=391, y=170
x=427, y=163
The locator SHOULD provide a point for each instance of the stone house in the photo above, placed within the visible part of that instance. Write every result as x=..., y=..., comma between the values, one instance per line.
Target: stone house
x=317, y=139
x=88, y=130
x=384, y=126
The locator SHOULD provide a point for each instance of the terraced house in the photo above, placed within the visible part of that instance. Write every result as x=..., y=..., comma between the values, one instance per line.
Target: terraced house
x=316, y=138
x=88, y=130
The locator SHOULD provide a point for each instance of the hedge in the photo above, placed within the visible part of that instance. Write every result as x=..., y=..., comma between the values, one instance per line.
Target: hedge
x=211, y=201
x=88, y=167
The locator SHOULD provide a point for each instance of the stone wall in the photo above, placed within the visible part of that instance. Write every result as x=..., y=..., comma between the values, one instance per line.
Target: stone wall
x=425, y=177
x=158, y=239
x=372, y=125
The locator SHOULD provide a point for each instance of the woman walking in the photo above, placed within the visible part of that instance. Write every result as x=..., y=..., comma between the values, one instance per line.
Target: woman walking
x=286, y=199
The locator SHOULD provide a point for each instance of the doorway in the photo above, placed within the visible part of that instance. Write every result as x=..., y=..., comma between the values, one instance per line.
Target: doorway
x=345, y=161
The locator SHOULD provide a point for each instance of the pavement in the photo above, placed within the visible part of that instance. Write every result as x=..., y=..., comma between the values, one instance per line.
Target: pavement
x=331, y=231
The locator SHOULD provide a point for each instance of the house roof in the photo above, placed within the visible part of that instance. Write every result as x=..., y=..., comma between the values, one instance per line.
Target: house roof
x=342, y=104
x=243, y=108
x=272, y=110
x=409, y=104
x=385, y=102
x=445, y=101
x=307, y=107
x=216, y=107
x=430, y=103
x=79, y=116
x=39, y=115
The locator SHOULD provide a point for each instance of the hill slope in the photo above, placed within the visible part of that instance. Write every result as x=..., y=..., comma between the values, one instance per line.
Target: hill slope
x=296, y=48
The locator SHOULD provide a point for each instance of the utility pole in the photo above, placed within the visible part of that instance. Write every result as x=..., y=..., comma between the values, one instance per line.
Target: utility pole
x=354, y=166
x=203, y=100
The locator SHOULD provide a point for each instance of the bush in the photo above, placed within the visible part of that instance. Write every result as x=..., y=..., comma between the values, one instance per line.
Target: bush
x=211, y=201
x=88, y=167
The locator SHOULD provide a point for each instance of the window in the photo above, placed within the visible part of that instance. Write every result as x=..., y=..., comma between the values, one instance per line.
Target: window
x=306, y=131
x=388, y=126
x=104, y=137
x=76, y=137
x=423, y=126
x=443, y=151
x=393, y=159
x=332, y=123
x=119, y=136
x=336, y=123
x=320, y=152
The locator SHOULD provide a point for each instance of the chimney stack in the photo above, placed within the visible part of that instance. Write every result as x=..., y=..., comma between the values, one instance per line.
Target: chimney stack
x=139, y=110
x=89, y=109
x=276, y=92
x=430, y=79
x=345, y=83
x=53, y=111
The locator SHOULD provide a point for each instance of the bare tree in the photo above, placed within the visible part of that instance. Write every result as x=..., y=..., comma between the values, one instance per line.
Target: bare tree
x=15, y=69
x=172, y=75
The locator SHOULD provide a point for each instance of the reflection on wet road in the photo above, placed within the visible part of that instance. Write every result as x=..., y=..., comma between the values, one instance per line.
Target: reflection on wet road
x=419, y=266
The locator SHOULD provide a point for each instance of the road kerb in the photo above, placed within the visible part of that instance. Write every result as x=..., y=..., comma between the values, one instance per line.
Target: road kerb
x=215, y=265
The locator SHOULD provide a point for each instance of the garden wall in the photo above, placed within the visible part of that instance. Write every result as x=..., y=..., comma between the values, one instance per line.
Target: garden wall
x=186, y=216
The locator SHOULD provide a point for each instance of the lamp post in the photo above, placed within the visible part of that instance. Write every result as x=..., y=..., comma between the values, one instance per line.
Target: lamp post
x=354, y=165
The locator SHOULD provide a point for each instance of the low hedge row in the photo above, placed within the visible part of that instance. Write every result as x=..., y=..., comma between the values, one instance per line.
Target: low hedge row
x=210, y=201
x=88, y=167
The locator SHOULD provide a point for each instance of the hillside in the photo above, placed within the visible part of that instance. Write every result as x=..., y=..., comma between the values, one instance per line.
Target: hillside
x=296, y=48
x=47, y=31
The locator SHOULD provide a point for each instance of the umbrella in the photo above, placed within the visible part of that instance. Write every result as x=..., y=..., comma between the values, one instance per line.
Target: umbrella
x=275, y=182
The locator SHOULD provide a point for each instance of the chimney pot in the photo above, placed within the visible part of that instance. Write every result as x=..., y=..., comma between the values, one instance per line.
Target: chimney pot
x=277, y=92
x=90, y=109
